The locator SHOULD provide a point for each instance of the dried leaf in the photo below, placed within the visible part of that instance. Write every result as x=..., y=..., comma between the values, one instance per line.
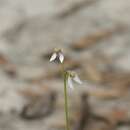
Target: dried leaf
x=95, y=38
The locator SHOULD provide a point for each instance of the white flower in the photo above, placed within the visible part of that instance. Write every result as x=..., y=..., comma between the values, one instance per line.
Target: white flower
x=57, y=55
x=72, y=76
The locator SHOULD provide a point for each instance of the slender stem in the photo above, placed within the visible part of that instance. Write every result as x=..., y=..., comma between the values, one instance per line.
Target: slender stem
x=66, y=102
x=65, y=96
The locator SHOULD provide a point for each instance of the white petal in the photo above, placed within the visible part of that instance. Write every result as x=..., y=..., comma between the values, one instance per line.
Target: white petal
x=70, y=84
x=53, y=57
x=61, y=57
x=77, y=79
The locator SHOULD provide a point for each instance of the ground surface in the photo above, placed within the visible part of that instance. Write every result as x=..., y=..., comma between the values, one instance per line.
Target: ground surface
x=100, y=32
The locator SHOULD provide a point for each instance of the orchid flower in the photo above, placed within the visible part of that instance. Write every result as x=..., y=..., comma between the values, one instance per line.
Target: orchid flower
x=57, y=55
x=72, y=76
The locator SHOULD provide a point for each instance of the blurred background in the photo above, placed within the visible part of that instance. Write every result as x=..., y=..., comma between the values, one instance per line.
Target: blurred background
x=95, y=38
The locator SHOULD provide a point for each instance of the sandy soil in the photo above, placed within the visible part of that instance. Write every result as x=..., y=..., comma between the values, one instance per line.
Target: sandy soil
x=29, y=29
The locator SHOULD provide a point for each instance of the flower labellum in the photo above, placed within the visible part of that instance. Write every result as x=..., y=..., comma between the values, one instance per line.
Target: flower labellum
x=57, y=55
x=72, y=76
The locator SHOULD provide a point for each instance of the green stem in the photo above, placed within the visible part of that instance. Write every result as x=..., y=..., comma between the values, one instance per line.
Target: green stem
x=66, y=102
